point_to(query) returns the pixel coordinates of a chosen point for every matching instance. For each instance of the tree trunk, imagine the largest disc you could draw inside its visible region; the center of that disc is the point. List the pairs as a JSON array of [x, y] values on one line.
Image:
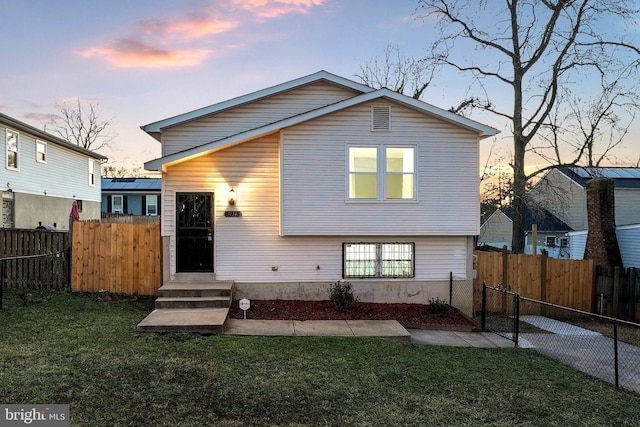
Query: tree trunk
[[519, 203]]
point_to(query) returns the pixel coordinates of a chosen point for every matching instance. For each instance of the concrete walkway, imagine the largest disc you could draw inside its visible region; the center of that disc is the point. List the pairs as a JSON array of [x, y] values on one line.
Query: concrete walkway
[[364, 328]]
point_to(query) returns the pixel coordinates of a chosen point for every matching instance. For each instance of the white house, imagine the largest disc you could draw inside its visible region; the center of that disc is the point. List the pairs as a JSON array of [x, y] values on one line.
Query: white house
[[319, 179], [43, 175]]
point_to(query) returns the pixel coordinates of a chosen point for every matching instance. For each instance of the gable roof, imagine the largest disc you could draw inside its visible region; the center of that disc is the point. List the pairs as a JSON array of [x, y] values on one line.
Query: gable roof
[[545, 220], [254, 96], [370, 95], [23, 127], [622, 177], [131, 184]]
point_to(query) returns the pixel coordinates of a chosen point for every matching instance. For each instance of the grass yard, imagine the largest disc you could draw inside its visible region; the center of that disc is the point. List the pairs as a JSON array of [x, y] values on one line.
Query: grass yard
[[76, 349]]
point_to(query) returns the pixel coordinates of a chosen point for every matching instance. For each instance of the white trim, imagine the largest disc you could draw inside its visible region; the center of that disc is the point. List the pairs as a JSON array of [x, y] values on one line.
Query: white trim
[[482, 130], [6, 146], [147, 204], [113, 198], [38, 144], [381, 173], [92, 173]]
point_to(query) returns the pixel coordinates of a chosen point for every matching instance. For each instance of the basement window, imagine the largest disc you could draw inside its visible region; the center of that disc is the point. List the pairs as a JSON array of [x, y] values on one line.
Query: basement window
[[378, 260]]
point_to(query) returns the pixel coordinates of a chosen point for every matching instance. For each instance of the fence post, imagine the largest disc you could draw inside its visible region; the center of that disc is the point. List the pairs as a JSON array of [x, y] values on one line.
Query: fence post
[[516, 318], [450, 287], [615, 351], [484, 306]]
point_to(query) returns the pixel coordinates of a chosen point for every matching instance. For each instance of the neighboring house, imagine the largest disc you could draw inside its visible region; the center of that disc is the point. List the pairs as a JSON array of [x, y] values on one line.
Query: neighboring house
[[562, 191], [628, 241], [42, 176], [497, 230], [319, 179], [132, 196]]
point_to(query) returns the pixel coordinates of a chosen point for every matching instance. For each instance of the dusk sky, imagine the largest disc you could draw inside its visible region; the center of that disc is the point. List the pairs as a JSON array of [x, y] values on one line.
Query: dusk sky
[[143, 61]]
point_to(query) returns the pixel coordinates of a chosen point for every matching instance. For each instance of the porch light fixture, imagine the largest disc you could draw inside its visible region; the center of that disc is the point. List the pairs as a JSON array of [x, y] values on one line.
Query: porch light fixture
[[232, 197]]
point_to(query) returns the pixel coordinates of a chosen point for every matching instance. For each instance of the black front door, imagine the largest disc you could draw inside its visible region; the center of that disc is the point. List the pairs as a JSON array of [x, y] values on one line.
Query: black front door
[[194, 216]]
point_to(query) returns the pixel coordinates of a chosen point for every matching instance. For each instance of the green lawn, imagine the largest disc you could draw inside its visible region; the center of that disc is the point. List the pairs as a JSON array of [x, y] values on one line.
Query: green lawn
[[76, 349]]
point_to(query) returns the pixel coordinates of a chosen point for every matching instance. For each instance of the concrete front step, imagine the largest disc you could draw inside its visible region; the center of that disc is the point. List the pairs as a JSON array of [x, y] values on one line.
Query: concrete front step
[[200, 320], [193, 302], [175, 289]]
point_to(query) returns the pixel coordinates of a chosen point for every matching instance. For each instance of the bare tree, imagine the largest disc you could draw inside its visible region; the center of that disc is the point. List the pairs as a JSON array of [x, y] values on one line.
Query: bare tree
[[111, 171], [80, 124], [536, 48], [395, 72]]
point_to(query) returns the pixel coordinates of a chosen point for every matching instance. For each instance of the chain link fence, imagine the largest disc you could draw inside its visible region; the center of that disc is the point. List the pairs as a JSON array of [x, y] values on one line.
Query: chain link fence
[[461, 294], [604, 347]]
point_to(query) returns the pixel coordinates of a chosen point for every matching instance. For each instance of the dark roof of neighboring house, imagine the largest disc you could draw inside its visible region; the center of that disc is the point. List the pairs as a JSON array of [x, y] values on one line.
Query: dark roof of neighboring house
[[622, 177], [131, 184], [23, 127], [545, 220]]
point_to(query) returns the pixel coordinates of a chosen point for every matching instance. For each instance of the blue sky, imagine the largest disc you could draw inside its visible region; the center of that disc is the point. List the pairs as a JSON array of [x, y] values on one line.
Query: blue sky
[[143, 61]]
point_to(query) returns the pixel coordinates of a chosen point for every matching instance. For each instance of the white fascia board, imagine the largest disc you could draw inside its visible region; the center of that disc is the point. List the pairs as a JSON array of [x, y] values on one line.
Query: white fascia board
[[244, 99], [483, 130], [161, 163]]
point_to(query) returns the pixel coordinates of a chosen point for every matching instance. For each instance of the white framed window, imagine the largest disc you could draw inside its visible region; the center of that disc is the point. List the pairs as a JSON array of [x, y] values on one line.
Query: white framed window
[[117, 203], [12, 144], [379, 260], [92, 173], [152, 205], [382, 172], [564, 242], [41, 152]]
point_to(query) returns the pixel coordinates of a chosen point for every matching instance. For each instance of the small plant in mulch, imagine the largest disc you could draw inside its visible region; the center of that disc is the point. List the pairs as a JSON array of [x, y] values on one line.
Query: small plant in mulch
[[341, 295], [438, 307]]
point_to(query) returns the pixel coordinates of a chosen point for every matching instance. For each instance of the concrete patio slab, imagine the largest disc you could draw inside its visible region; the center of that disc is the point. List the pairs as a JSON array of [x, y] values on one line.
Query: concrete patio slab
[[379, 328]]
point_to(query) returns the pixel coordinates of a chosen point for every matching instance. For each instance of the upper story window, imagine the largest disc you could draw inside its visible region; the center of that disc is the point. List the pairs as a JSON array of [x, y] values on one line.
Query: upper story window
[[12, 149], [41, 152], [381, 173], [92, 173]]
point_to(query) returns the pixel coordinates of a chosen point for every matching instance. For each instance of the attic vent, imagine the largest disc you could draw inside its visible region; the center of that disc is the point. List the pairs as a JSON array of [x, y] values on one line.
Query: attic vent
[[380, 118]]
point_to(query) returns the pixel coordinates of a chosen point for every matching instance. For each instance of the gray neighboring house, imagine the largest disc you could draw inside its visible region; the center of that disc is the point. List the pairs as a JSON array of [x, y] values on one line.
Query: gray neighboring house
[[562, 192], [42, 175], [131, 196], [497, 229]]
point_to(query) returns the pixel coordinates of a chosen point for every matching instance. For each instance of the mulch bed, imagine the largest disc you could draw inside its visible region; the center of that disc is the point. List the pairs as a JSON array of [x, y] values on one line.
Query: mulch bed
[[414, 316]]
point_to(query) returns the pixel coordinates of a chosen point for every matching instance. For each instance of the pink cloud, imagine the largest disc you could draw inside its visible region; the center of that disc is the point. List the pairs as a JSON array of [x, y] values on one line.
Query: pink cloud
[[193, 26], [275, 8], [147, 46], [128, 53]]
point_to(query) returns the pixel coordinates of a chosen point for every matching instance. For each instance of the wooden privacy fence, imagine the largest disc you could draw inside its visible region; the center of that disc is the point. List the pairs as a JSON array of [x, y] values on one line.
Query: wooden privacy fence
[[34, 259], [564, 282], [118, 258]]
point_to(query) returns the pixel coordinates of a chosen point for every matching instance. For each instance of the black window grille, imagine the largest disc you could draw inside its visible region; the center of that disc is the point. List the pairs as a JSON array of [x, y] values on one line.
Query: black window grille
[[379, 260]]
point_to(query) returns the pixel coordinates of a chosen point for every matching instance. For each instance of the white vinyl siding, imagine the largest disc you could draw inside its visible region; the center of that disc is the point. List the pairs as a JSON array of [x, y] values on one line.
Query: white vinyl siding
[[248, 247], [251, 116], [65, 174], [314, 178], [627, 202]]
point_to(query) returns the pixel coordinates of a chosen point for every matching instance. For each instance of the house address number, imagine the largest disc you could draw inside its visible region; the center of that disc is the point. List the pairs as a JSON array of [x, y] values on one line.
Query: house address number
[[230, 214]]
